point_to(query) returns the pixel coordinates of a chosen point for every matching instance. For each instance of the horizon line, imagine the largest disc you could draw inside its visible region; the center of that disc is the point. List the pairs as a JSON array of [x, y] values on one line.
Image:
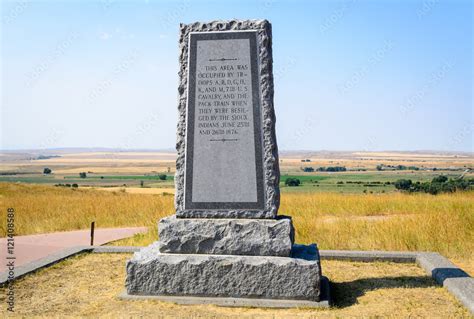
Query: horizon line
[[117, 149]]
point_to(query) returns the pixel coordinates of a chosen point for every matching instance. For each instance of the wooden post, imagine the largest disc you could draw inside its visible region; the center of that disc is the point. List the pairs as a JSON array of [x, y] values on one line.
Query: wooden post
[[92, 233]]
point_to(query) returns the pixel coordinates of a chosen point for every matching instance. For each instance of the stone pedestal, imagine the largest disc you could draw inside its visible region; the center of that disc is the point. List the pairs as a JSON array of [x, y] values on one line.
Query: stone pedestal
[[226, 258], [253, 237], [151, 272]]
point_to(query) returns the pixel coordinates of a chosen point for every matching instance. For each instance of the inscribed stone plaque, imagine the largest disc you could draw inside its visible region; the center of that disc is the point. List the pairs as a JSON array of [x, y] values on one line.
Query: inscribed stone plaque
[[230, 163], [224, 149]]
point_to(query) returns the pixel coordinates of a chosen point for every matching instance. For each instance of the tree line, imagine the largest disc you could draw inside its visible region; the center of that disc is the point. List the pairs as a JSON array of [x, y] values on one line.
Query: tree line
[[439, 184]]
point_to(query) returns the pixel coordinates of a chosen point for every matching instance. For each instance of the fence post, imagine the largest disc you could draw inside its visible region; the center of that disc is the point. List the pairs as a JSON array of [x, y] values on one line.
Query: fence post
[[92, 233]]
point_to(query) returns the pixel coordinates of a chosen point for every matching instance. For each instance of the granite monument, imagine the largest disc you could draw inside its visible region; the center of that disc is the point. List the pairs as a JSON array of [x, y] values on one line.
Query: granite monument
[[226, 239]]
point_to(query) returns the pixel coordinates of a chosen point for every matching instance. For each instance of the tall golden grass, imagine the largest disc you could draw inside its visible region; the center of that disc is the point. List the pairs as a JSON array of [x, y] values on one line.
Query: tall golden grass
[[42, 209], [392, 221], [395, 221]]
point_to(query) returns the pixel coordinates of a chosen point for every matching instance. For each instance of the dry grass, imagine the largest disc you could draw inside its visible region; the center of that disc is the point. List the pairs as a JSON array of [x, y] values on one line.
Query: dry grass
[[88, 285], [117, 169], [294, 164], [422, 222], [447, 216], [43, 209], [135, 190]]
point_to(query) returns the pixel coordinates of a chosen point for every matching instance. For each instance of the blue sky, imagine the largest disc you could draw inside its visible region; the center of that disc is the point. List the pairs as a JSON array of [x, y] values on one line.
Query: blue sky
[[353, 75]]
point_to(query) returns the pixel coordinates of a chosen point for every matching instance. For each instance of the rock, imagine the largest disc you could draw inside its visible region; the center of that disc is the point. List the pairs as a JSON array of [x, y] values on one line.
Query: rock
[[151, 272], [226, 236]]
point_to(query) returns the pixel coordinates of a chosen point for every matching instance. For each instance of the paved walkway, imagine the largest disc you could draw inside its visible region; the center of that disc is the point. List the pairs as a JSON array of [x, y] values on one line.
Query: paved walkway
[[33, 247]]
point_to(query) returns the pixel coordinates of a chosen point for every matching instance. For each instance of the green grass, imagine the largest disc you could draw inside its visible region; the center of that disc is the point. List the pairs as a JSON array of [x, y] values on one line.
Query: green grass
[[354, 182], [304, 178], [317, 182], [30, 179]]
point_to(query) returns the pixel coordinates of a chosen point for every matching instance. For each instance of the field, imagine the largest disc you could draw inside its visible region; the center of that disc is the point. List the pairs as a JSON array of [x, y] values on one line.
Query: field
[[137, 172], [358, 208]]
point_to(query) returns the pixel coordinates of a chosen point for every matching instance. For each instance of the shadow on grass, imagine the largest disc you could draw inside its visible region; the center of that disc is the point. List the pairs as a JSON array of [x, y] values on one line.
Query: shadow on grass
[[345, 294]]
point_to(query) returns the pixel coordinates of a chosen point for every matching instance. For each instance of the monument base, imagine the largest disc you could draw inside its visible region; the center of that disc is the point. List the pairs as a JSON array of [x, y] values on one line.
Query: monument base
[[224, 236], [152, 273], [324, 300]]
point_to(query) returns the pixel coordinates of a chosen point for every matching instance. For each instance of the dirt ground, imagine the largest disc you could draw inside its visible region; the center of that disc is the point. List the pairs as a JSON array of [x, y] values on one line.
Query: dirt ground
[[88, 286]]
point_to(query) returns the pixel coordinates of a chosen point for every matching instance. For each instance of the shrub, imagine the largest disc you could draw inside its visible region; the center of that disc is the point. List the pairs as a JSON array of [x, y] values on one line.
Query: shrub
[[162, 177], [292, 182], [47, 170], [82, 174], [439, 184], [440, 179], [403, 184]]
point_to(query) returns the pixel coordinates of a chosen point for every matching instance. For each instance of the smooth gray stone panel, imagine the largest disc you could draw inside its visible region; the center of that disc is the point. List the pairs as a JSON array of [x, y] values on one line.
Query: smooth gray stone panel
[[254, 237], [224, 152], [151, 272]]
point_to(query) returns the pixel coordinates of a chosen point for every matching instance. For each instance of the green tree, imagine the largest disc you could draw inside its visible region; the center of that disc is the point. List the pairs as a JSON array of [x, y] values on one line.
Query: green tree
[[292, 182], [440, 179], [82, 175], [403, 184], [47, 170]]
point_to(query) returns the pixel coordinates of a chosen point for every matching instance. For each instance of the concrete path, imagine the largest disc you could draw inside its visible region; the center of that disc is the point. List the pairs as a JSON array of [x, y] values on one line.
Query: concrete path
[[33, 247]]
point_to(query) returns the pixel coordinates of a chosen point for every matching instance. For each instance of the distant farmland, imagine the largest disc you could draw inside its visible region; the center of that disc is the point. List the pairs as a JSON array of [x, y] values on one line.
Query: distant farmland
[[365, 172]]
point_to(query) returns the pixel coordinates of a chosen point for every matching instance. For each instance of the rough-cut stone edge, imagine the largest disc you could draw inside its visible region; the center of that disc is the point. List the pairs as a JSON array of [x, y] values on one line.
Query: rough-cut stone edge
[[270, 149], [264, 247], [324, 302], [301, 255]]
